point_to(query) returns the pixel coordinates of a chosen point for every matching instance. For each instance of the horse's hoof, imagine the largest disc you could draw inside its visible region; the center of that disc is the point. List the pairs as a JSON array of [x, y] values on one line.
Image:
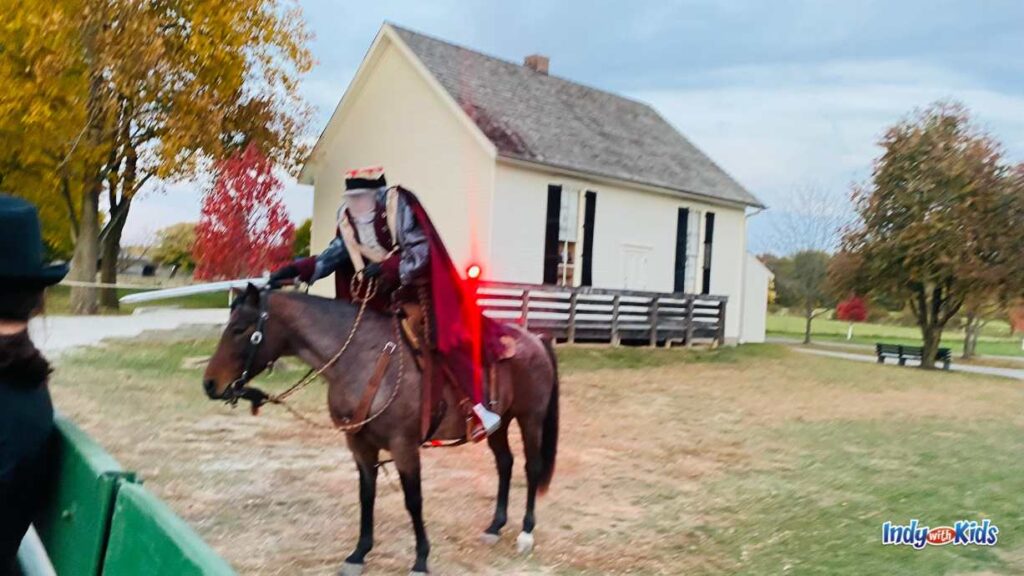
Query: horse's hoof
[[350, 569], [489, 539], [524, 543]]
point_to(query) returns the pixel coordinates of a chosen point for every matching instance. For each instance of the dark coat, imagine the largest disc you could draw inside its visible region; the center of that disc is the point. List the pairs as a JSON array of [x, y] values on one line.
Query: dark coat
[[26, 424], [401, 268]]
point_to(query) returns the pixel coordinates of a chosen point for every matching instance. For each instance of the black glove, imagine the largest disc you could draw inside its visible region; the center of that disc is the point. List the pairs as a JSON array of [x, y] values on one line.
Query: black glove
[[286, 272], [372, 270]]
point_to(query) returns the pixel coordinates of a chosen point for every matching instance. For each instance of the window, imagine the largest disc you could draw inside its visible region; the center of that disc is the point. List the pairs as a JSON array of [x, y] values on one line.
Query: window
[[567, 267], [560, 236], [567, 230]]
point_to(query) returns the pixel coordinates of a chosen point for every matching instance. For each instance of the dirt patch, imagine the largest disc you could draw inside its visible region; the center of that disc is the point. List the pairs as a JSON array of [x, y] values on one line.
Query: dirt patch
[[638, 449]]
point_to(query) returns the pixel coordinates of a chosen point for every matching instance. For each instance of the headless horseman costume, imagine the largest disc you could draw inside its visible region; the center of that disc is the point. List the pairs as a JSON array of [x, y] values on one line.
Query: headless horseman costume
[[385, 233]]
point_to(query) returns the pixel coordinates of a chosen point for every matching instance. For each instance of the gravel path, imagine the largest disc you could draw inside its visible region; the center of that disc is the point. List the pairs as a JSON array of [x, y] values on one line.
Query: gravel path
[[55, 335], [987, 370]]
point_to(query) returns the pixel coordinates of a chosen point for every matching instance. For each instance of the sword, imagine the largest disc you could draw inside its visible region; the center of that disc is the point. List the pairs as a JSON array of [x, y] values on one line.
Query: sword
[[183, 291]]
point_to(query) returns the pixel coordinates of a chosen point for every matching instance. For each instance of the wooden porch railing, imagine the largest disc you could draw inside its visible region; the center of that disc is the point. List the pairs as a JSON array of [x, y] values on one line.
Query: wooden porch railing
[[584, 314]]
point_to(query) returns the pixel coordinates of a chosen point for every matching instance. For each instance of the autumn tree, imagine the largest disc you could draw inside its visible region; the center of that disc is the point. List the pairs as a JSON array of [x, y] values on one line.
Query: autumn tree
[[1007, 288], [174, 246], [41, 114], [244, 229], [802, 282], [853, 309], [936, 224], [143, 92]]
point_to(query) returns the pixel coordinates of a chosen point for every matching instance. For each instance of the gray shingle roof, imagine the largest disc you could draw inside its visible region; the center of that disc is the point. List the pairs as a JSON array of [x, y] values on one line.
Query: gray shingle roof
[[548, 120]]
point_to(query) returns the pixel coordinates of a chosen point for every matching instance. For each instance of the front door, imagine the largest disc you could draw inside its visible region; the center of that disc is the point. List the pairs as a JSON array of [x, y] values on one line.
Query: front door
[[634, 267]]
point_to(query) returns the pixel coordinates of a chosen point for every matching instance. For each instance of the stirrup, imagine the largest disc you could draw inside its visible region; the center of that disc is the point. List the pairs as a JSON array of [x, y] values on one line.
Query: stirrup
[[489, 420]]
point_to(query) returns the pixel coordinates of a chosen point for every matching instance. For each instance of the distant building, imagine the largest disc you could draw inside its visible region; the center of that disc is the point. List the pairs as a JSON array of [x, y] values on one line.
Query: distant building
[[540, 179]]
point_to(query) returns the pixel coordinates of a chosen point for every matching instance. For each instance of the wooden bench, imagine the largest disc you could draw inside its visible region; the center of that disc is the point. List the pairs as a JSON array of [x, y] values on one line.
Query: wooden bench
[[903, 353]]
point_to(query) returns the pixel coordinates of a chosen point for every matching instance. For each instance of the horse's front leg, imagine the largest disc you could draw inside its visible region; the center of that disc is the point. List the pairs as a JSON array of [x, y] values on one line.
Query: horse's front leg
[[407, 461], [366, 460]]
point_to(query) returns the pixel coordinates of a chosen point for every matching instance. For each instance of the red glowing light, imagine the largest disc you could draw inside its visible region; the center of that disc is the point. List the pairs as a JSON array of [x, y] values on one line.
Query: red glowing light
[[473, 272]]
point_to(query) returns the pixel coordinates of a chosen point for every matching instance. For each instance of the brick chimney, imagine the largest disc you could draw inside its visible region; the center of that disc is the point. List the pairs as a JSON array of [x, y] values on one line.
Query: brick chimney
[[537, 63]]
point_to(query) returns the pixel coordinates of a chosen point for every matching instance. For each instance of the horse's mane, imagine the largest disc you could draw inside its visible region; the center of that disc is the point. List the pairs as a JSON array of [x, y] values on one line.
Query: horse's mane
[[330, 313]]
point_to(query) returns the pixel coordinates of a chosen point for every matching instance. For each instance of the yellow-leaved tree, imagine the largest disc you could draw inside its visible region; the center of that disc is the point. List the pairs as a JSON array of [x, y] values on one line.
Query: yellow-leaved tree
[[42, 109], [141, 92]]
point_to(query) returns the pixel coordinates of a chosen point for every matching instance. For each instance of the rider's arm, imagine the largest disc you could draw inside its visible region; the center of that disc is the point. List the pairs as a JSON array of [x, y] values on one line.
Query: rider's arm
[[316, 267], [415, 254]]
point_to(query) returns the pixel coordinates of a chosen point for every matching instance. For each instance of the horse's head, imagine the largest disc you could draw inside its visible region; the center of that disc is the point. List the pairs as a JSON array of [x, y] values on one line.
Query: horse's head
[[250, 343]]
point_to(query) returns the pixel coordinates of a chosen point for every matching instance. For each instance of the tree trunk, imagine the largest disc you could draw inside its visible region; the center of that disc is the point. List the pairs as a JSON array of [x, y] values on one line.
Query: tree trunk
[[808, 316], [971, 328], [83, 263], [110, 250], [933, 306], [932, 337]]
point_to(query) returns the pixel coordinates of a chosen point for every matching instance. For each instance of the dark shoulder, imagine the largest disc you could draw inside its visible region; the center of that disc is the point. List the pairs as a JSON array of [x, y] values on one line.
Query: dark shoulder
[[406, 195], [21, 363]]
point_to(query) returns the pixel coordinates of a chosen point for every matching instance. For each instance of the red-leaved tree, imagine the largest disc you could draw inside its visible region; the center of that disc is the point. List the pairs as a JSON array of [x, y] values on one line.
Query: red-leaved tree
[[244, 228], [853, 309]]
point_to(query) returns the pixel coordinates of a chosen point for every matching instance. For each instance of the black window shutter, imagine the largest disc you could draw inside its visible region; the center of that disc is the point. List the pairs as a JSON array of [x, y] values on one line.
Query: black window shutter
[[709, 235], [551, 252], [587, 258], [682, 221]]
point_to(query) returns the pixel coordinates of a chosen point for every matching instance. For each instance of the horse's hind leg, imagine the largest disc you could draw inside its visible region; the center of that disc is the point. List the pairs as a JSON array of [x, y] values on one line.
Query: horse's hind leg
[[407, 461], [531, 430], [498, 441], [366, 460]]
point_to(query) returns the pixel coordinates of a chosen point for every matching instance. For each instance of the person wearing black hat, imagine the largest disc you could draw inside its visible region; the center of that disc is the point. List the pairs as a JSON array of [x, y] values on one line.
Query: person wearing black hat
[[26, 413]]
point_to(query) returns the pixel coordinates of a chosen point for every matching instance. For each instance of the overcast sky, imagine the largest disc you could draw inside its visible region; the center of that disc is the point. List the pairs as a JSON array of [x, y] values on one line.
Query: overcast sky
[[783, 95]]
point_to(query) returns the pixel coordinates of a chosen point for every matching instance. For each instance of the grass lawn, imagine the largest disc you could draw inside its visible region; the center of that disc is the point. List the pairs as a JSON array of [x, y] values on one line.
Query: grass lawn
[[58, 301], [752, 461], [993, 341]]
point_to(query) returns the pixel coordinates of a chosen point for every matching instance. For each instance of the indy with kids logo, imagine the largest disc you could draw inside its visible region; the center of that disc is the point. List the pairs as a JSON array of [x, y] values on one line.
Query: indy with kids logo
[[962, 533]]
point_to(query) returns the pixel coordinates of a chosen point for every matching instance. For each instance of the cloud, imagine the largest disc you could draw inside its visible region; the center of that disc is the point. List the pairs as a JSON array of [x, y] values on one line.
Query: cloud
[[782, 95], [779, 127], [776, 128]]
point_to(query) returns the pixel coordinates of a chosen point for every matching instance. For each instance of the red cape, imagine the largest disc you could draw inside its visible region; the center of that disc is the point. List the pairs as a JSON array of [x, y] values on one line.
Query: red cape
[[453, 307]]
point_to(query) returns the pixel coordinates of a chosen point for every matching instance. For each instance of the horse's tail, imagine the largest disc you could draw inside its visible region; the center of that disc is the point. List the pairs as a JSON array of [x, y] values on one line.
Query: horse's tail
[[549, 436]]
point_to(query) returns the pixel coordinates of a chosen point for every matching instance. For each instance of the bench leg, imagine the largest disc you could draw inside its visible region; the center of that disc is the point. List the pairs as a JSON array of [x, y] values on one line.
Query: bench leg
[[881, 359], [903, 361], [945, 364]]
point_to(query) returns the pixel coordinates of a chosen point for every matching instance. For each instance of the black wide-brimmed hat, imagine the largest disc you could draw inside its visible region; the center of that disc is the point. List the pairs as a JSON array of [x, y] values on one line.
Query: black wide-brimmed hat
[[21, 247], [364, 180]]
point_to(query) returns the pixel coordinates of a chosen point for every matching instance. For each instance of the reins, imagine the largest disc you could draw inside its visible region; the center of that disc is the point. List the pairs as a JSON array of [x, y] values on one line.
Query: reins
[[370, 294], [362, 416]]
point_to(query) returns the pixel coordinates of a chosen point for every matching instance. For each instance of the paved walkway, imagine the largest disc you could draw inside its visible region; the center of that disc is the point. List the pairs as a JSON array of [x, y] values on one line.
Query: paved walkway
[[987, 370], [57, 334]]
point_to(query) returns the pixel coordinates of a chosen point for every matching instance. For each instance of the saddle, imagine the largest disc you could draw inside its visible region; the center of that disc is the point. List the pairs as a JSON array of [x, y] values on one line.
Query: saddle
[[436, 376]]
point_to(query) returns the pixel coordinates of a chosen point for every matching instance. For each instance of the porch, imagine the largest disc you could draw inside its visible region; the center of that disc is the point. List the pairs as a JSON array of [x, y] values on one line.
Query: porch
[[586, 314]]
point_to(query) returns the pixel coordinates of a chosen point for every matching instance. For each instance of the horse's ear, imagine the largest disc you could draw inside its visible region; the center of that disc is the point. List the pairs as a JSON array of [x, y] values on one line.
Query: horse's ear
[[252, 294]]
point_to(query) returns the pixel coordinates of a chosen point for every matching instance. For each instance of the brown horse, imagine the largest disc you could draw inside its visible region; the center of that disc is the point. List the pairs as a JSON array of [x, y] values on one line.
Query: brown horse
[[314, 329]]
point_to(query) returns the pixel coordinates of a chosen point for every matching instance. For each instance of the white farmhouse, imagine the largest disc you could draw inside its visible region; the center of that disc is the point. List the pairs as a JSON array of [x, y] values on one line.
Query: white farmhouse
[[539, 179]]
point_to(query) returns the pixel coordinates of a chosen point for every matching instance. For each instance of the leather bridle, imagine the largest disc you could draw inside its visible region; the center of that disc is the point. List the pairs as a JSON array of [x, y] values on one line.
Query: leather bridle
[[238, 388]]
